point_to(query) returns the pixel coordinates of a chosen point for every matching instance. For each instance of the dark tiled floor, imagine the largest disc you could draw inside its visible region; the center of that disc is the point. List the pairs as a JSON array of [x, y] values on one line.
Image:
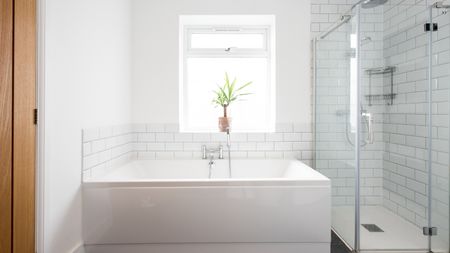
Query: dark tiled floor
[[337, 246]]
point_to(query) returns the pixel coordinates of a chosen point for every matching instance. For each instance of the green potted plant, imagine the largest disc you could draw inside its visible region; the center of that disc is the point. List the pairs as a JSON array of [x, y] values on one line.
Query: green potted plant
[[224, 96]]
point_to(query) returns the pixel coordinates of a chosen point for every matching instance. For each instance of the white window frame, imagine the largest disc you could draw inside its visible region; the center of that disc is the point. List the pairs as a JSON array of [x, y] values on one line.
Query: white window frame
[[259, 24], [221, 52]]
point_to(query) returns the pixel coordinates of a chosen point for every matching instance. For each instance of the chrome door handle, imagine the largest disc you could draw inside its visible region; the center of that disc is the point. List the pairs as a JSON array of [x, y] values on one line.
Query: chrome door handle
[[369, 119]]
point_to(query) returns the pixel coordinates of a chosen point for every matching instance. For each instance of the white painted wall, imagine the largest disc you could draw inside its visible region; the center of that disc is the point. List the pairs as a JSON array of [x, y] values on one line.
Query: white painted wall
[[87, 83], [155, 54]]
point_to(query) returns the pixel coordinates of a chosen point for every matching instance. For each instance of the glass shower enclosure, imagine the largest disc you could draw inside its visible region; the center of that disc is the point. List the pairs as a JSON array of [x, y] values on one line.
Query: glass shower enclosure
[[381, 130]]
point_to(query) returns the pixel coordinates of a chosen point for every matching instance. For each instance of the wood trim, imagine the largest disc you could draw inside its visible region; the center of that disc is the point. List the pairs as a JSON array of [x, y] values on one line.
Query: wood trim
[[24, 134], [6, 67]]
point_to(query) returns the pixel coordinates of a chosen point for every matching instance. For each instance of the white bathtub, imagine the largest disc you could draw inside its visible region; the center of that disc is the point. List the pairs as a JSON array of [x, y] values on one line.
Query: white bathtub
[[275, 206]]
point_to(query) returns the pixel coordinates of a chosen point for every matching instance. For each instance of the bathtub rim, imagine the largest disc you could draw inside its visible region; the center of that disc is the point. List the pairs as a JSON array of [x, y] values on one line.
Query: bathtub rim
[[209, 183], [317, 179]]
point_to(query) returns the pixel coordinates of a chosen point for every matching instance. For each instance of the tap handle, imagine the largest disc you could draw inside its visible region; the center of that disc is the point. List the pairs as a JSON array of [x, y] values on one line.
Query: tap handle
[[220, 152], [204, 156]]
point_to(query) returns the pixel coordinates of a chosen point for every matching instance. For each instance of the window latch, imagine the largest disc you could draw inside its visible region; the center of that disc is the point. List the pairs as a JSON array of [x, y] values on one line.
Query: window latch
[[228, 49]]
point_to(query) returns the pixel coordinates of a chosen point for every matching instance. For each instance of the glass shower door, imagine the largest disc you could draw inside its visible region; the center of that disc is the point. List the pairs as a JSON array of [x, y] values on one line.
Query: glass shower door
[[393, 160], [380, 77], [335, 119], [440, 83]]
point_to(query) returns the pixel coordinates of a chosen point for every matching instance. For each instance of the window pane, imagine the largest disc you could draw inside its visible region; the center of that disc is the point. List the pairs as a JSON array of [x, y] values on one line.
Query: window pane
[[205, 74], [227, 40]]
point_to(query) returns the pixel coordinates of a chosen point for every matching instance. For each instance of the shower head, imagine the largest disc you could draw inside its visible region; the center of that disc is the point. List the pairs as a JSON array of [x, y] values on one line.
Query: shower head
[[367, 4]]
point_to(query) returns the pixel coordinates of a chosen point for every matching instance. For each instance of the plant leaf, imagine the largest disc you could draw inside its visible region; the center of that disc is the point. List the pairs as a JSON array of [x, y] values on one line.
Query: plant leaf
[[231, 90], [228, 93], [243, 86]]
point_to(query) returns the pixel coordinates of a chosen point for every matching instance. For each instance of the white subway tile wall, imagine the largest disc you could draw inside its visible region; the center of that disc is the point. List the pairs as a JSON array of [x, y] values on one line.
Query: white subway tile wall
[[106, 148], [405, 128], [393, 169]]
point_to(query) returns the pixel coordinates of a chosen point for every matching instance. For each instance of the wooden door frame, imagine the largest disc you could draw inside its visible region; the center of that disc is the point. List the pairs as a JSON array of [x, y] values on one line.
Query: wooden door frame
[[19, 53], [24, 128]]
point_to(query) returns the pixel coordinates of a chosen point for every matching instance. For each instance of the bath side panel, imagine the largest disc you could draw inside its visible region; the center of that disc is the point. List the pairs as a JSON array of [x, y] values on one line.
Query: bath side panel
[[222, 214]]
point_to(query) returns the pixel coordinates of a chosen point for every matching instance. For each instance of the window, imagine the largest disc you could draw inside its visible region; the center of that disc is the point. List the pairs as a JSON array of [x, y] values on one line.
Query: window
[[242, 47]]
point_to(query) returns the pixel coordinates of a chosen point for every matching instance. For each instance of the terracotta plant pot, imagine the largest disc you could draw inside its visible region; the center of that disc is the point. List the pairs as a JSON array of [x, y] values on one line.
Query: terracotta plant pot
[[224, 123]]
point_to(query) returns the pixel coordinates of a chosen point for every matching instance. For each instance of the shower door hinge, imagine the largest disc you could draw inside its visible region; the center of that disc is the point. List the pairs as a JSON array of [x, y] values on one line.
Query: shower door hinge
[[430, 231], [427, 27], [35, 116]]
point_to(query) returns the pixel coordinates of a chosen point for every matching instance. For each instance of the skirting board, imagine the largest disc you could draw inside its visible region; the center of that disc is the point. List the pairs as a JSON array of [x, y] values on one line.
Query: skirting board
[[216, 248]]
